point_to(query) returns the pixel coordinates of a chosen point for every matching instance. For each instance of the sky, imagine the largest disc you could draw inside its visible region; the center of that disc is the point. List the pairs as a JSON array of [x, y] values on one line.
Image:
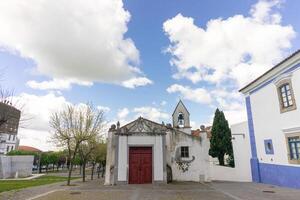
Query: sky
[[135, 58]]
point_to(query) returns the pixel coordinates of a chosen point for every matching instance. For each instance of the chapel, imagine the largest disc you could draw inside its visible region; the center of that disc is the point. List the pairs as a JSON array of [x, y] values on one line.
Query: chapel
[[147, 152]]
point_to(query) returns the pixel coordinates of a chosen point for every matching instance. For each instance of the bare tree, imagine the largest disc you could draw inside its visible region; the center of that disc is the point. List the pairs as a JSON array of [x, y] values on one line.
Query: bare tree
[[73, 126]]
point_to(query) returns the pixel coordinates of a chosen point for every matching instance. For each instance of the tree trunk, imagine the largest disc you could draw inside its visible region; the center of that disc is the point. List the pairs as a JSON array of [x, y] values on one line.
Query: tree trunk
[[70, 173], [83, 172], [103, 169], [40, 168], [92, 175], [98, 170], [71, 164], [221, 159]]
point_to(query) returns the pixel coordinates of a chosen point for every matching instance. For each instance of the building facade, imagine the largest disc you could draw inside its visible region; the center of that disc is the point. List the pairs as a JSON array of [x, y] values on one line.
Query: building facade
[[9, 124], [272, 102], [144, 151]]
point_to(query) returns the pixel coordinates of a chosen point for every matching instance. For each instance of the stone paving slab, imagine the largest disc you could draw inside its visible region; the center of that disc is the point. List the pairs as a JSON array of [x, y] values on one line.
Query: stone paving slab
[[27, 193], [256, 191], [92, 190], [136, 195]]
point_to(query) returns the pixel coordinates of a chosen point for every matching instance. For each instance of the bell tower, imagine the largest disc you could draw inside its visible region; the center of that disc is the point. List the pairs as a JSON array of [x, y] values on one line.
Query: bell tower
[[181, 118]]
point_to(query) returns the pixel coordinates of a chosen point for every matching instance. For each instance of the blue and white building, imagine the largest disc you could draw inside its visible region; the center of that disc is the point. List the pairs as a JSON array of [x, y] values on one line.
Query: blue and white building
[[273, 109]]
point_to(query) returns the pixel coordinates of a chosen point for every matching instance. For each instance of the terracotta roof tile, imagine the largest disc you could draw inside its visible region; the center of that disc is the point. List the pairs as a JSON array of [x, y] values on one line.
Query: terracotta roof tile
[[28, 148]]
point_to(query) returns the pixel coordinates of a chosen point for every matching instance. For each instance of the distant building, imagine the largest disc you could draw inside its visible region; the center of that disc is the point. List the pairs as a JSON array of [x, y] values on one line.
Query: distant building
[[144, 151], [29, 149], [273, 109], [9, 124]]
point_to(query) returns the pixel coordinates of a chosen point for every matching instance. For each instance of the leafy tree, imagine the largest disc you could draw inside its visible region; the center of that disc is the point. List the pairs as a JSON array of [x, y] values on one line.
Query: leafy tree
[[62, 158], [220, 142], [98, 156], [73, 126], [53, 159], [85, 150], [45, 160]]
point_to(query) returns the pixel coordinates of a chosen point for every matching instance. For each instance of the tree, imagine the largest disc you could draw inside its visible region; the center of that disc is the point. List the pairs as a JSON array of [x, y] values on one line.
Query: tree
[[45, 160], [74, 125], [85, 150], [61, 159], [98, 156], [53, 159], [220, 142]]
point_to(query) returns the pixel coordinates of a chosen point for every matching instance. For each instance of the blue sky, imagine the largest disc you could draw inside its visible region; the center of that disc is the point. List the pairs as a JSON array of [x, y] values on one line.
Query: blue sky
[[177, 53]]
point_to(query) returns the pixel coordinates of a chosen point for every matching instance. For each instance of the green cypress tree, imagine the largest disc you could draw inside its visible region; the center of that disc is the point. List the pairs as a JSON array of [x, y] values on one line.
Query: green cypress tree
[[220, 142]]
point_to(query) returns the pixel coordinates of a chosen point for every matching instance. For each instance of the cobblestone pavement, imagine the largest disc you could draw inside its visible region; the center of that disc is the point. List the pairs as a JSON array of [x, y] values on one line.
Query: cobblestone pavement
[[95, 190]]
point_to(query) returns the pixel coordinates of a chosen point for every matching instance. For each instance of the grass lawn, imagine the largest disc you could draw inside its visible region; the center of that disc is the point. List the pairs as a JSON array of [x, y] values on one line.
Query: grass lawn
[[6, 185]]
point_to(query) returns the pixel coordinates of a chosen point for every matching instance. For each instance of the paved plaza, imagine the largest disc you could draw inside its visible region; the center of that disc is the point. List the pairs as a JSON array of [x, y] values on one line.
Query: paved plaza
[[95, 190]]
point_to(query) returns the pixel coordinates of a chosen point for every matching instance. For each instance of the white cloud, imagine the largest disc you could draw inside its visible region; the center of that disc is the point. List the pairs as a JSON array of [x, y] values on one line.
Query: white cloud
[[36, 138], [36, 113], [198, 95], [163, 103], [136, 82], [227, 54], [151, 113], [103, 108], [123, 113], [262, 11], [155, 114], [83, 40], [38, 109], [56, 84], [238, 48]]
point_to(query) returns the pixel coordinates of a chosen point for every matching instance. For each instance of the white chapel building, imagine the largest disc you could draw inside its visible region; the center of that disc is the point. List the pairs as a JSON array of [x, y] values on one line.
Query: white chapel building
[[144, 151]]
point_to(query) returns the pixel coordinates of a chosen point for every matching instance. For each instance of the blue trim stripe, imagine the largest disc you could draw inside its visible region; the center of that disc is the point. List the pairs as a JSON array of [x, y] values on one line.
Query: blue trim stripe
[[251, 127], [255, 171], [271, 80]]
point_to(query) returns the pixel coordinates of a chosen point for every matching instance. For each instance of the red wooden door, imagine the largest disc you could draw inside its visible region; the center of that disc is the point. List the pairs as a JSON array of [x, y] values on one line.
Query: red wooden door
[[140, 165]]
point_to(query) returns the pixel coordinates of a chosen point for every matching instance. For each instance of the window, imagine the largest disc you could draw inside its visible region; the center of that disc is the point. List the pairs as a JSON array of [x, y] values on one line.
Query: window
[[184, 152], [12, 148], [269, 146], [294, 147], [9, 136], [286, 96], [14, 137], [7, 149], [180, 120]]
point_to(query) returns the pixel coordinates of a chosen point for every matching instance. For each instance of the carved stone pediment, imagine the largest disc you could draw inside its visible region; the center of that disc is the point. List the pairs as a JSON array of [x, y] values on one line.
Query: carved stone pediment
[[142, 126]]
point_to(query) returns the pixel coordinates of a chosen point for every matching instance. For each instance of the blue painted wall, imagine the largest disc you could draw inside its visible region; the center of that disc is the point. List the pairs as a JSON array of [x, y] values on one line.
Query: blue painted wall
[[287, 176]]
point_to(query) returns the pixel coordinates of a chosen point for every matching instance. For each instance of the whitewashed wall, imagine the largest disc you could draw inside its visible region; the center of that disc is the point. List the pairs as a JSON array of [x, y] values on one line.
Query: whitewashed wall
[[199, 168], [154, 141], [270, 124], [242, 155], [15, 166]]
